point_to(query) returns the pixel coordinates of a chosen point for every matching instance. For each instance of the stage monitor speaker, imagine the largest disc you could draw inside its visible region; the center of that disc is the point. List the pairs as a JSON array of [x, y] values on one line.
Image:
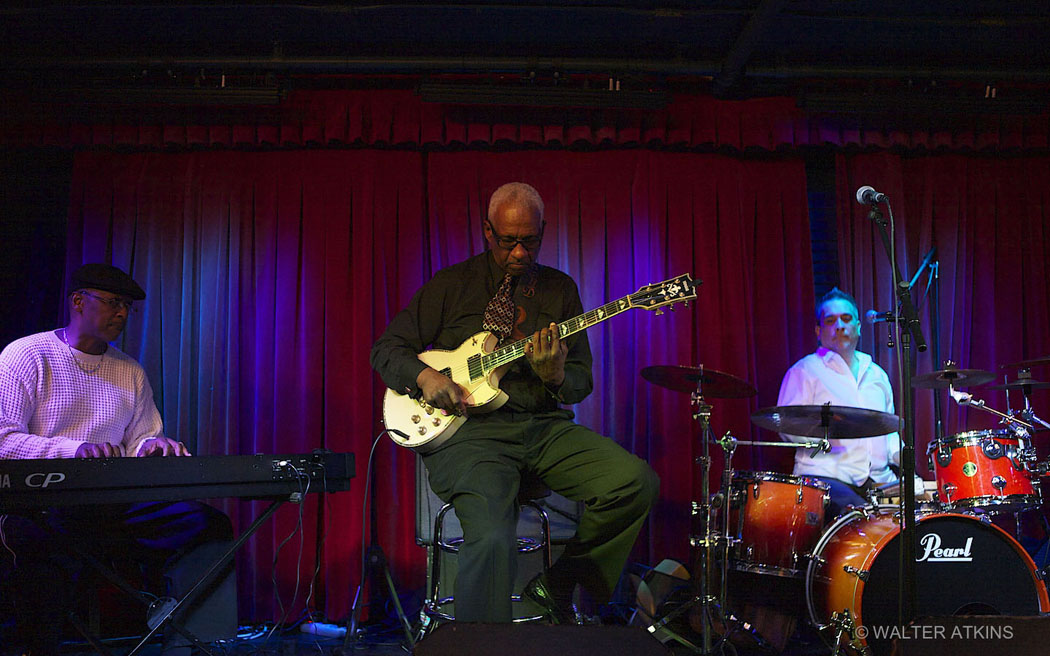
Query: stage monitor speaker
[[461, 639], [973, 635]]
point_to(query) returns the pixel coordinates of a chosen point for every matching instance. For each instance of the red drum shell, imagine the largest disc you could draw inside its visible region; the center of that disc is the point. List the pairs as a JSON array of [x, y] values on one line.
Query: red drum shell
[[967, 475]]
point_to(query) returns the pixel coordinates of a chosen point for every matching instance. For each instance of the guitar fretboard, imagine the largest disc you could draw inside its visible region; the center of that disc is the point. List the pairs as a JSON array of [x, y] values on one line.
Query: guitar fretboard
[[515, 350]]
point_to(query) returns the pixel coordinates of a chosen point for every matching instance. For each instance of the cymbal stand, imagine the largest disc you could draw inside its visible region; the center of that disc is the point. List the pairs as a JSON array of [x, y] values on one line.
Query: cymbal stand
[[1028, 413], [705, 541]]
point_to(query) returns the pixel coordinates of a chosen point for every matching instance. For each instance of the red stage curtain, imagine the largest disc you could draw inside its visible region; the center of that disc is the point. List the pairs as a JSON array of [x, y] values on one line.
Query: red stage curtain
[[990, 222], [399, 117], [269, 275]]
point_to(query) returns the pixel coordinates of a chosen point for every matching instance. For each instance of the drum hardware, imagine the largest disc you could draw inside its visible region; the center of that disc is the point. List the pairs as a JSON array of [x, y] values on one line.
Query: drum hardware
[[1026, 384], [843, 625], [1011, 421], [695, 381], [949, 490]]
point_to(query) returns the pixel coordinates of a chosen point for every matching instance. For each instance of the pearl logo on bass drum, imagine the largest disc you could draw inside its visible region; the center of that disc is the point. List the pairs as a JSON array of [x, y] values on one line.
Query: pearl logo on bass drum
[[933, 553]]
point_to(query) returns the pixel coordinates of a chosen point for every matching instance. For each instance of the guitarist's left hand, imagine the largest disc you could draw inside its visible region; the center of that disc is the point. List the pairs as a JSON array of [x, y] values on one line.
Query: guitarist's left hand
[[546, 354]]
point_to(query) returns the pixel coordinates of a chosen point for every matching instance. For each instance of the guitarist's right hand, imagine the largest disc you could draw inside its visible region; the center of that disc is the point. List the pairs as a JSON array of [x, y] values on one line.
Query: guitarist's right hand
[[441, 391]]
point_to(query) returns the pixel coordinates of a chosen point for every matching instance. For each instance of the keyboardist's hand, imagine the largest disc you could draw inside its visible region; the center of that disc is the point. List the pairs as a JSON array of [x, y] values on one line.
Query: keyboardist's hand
[[162, 446], [106, 450]]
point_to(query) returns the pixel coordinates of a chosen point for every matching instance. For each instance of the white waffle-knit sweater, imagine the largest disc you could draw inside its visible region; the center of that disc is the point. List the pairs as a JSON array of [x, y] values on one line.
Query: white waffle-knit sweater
[[50, 405]]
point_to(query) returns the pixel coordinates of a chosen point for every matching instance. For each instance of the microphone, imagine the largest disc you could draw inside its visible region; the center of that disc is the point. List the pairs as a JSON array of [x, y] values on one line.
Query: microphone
[[868, 196], [874, 316]]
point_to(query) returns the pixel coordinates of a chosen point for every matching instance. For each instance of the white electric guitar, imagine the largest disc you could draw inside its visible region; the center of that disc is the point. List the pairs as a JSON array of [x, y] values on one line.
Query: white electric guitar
[[477, 366]]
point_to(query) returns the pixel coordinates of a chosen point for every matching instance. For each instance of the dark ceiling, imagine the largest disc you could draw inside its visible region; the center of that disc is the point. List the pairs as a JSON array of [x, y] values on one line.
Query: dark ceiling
[[734, 48]]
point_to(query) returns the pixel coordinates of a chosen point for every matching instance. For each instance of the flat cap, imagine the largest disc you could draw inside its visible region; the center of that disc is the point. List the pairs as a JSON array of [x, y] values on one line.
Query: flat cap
[[106, 278]]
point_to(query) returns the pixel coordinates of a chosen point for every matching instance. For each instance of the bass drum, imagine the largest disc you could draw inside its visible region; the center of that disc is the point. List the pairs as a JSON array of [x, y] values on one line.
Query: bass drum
[[964, 566]]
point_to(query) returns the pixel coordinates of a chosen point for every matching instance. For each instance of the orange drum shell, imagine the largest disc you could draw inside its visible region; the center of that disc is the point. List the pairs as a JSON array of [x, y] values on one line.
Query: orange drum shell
[[776, 529], [855, 543]]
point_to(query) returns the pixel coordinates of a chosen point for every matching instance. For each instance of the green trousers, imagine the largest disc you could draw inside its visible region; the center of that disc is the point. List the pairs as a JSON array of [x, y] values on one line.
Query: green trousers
[[479, 472]]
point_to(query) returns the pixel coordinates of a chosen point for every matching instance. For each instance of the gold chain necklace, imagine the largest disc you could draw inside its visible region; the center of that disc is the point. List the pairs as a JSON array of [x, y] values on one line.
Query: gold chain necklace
[[76, 360]]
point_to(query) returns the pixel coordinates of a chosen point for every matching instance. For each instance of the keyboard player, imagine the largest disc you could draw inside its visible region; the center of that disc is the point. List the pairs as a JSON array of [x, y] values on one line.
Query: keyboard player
[[69, 393]]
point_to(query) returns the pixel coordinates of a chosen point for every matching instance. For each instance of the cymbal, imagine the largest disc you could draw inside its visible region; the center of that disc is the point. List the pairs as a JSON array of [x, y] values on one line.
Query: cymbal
[[1020, 384], [841, 422], [1027, 364], [944, 378], [714, 384]]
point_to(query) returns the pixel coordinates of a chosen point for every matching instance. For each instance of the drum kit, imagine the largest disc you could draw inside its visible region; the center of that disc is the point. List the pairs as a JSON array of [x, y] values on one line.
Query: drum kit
[[766, 529]]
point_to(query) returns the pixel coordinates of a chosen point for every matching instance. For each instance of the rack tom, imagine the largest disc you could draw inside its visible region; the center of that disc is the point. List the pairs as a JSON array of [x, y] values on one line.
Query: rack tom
[[983, 469], [775, 520]]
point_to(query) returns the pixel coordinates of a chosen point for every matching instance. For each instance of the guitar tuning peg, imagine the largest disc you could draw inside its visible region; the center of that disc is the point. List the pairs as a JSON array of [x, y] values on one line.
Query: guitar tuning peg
[[659, 311], [671, 307]]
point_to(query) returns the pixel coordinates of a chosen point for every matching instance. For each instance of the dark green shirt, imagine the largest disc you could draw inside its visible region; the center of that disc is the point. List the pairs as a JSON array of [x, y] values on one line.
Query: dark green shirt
[[450, 308]]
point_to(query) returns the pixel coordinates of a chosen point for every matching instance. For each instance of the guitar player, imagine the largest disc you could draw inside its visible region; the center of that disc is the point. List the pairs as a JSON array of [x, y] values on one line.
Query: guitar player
[[504, 290]]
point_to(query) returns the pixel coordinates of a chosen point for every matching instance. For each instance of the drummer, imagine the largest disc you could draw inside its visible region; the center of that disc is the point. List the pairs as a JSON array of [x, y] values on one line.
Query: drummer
[[840, 374]]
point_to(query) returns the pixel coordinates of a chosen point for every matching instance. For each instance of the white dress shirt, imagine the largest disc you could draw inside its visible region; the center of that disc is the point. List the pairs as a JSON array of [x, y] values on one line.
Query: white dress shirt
[[824, 377]]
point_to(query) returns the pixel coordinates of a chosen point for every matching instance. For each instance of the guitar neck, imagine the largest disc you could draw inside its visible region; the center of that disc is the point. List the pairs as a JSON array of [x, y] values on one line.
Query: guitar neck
[[515, 350]]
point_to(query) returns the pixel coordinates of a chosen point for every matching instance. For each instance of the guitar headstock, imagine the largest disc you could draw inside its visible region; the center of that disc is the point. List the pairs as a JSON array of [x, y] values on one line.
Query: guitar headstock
[[658, 295]]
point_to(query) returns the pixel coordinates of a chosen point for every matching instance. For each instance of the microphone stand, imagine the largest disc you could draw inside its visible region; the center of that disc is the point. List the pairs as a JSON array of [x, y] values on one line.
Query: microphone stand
[[933, 288], [907, 317]]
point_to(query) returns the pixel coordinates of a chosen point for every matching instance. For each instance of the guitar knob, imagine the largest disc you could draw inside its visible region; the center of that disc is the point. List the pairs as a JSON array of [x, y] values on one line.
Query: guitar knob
[[415, 419], [430, 409], [422, 430], [437, 421]]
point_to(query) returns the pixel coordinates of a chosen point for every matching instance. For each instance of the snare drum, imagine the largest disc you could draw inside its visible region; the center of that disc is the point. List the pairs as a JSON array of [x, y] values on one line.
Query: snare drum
[[964, 566], [981, 469], [775, 520]]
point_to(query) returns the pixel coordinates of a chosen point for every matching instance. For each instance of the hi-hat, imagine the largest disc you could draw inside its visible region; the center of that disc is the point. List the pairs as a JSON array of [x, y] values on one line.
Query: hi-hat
[[1027, 364], [714, 384], [834, 421], [944, 378]]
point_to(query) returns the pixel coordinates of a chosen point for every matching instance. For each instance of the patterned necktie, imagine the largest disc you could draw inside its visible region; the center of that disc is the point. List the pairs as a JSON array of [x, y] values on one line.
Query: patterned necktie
[[499, 313]]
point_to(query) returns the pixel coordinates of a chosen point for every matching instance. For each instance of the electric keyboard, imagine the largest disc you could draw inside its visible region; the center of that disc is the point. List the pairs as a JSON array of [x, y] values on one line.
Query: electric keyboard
[[29, 484]]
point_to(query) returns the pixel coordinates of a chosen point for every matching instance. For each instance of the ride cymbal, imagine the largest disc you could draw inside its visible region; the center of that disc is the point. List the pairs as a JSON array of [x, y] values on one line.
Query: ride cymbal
[[944, 378], [835, 421], [713, 384]]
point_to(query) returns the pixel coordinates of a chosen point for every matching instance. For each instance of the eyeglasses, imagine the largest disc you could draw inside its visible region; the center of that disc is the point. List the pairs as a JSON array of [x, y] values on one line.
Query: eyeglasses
[[510, 243], [116, 304]]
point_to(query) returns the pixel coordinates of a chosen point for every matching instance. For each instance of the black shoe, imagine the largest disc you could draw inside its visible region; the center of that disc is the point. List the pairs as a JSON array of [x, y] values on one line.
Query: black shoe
[[558, 611]]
